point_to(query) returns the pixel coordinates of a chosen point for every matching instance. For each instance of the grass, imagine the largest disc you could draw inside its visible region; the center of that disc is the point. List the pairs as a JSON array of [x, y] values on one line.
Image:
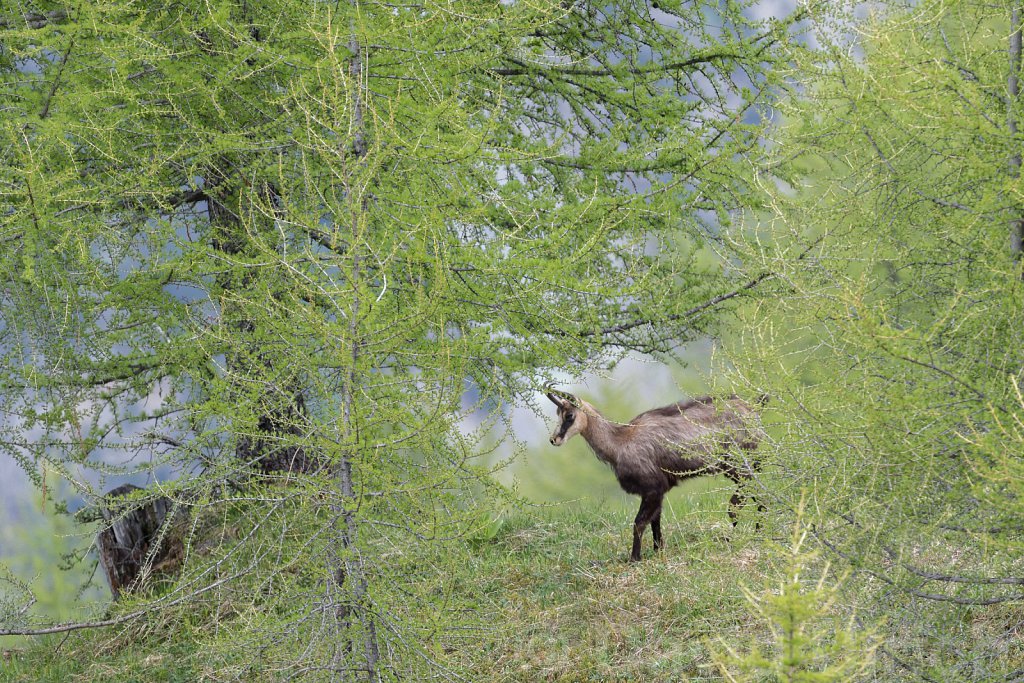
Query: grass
[[548, 593], [99, 656], [542, 594], [570, 608]]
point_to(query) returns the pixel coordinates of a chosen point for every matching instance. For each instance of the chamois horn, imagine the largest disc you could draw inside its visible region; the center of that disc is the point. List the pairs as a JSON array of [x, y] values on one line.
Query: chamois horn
[[560, 397]]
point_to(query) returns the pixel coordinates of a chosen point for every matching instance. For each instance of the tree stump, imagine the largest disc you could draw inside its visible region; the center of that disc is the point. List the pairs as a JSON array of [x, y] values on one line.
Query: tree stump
[[133, 528]]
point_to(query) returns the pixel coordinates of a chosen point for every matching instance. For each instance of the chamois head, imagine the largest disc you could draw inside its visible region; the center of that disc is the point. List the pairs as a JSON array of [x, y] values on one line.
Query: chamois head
[[572, 419]]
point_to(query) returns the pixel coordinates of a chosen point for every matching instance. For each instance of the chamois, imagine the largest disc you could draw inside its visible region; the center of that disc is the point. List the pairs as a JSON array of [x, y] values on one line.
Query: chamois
[[659, 448]]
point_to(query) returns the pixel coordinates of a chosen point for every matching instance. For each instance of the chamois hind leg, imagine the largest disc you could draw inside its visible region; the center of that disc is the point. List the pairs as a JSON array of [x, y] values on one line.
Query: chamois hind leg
[[761, 509], [750, 471], [739, 497], [649, 506], [739, 501], [736, 503]]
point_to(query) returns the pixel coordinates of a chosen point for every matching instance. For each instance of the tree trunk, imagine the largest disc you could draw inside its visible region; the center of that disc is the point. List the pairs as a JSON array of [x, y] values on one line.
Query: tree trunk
[[1013, 88], [126, 546], [351, 603], [284, 411]]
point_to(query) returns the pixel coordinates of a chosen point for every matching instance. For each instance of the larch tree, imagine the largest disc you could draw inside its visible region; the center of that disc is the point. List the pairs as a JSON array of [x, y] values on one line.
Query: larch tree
[[893, 342], [247, 244]]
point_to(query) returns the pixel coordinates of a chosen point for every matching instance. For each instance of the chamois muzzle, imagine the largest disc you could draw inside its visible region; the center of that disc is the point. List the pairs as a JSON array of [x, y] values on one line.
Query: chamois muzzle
[[567, 407]]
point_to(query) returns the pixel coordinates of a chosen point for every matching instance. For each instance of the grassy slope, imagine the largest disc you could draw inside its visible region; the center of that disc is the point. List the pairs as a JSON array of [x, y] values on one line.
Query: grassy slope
[[546, 594], [568, 607], [554, 596]]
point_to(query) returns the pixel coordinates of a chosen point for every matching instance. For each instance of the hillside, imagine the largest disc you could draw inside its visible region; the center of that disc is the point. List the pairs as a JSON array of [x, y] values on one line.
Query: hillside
[[541, 594], [545, 594]]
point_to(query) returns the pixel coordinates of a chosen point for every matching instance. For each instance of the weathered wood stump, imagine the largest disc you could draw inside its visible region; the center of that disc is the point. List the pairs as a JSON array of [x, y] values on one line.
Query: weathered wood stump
[[134, 526]]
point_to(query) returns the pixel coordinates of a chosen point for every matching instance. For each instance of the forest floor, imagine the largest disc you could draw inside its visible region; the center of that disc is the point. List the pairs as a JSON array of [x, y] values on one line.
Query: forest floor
[[567, 605], [546, 594], [552, 597]]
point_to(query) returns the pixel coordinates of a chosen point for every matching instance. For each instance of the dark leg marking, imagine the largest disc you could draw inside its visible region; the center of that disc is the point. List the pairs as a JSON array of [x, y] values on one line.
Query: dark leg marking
[[737, 501], [656, 528], [649, 507], [761, 509]]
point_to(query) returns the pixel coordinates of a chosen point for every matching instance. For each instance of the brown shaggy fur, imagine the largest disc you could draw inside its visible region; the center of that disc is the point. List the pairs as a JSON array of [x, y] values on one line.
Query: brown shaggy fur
[[661, 447]]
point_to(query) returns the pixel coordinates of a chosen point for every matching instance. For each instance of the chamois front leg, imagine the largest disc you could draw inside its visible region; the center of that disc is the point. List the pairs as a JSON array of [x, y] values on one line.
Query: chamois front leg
[[656, 527], [650, 506]]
